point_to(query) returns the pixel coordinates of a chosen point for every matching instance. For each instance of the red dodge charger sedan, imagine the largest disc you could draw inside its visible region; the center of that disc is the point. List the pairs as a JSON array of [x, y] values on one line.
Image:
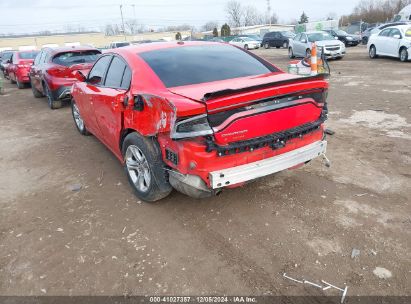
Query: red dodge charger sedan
[[19, 67], [199, 116]]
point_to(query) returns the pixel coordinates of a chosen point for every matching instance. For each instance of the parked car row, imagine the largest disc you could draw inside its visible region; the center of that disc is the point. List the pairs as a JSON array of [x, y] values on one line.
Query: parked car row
[[190, 116]]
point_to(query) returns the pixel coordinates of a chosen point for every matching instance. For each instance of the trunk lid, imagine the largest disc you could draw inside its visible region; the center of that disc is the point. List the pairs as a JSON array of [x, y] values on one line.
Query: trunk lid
[[252, 107]]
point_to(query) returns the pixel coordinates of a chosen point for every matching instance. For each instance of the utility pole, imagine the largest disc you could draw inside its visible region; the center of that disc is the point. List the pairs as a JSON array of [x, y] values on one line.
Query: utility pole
[[269, 11], [134, 10], [122, 21]]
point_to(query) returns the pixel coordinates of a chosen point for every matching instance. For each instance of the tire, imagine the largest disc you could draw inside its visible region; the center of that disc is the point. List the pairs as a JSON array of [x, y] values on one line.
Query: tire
[[266, 45], [364, 40], [372, 52], [78, 120], [11, 80], [285, 44], [404, 54], [291, 53], [144, 167], [307, 53], [53, 104], [19, 84], [277, 47], [36, 93], [246, 47]]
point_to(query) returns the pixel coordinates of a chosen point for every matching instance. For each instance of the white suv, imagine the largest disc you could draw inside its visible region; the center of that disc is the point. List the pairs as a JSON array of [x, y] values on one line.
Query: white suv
[[393, 41]]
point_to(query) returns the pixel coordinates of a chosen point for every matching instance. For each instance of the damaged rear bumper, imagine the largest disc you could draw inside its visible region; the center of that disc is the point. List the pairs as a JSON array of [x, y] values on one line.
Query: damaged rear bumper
[[244, 173]]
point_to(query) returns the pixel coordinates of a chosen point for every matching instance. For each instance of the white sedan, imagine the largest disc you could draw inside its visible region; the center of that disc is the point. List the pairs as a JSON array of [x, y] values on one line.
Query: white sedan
[[245, 42], [393, 41]]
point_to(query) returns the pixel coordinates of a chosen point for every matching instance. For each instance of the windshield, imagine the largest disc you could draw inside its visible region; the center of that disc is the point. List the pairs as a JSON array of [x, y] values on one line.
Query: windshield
[[71, 58], [200, 64], [319, 37], [28, 55], [341, 32]]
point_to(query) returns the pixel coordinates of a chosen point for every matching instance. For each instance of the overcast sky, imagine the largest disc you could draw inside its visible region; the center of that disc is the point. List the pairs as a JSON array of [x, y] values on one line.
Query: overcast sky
[[22, 16]]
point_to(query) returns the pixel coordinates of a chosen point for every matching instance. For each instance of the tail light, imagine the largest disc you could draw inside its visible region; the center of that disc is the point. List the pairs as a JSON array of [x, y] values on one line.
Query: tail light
[[60, 72], [192, 127], [318, 96]]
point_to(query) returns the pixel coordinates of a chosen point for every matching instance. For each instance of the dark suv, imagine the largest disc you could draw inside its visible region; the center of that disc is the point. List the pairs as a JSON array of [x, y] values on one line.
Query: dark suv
[[277, 39]]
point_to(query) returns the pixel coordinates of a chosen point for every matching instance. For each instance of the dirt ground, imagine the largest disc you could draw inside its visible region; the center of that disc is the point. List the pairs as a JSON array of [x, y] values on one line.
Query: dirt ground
[[101, 240]]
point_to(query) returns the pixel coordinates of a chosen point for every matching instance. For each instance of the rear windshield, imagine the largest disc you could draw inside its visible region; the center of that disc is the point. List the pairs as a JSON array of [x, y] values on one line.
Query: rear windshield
[[122, 44], [71, 58], [199, 64], [28, 55]]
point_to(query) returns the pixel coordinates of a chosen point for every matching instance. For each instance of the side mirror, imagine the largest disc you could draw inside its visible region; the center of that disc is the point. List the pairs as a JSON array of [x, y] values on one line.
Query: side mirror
[[79, 76], [397, 36], [94, 80]]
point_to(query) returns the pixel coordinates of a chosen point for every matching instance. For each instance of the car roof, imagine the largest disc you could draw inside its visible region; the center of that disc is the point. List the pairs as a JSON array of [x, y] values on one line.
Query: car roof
[[146, 47], [58, 50]]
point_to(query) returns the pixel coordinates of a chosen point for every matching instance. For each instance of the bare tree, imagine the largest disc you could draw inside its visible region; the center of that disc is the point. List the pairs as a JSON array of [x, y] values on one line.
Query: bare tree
[[250, 16], [373, 11], [134, 27], [234, 13], [209, 26]]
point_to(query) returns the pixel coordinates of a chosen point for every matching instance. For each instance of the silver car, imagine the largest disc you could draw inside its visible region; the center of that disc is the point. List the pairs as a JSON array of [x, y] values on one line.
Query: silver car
[[300, 45]]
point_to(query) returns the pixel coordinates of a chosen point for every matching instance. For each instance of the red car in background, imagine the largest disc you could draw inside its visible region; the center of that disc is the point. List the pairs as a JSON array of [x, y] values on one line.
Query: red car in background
[[199, 116], [52, 72], [19, 67]]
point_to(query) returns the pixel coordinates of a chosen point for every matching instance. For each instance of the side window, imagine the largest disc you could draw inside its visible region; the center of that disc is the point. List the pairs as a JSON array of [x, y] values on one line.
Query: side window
[[297, 38], [11, 58], [115, 73], [15, 58], [96, 74], [395, 32], [385, 33], [277, 35], [125, 83], [303, 38]]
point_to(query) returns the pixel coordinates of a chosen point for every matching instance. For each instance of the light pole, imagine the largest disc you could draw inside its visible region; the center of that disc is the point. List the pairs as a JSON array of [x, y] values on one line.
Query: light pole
[[122, 21]]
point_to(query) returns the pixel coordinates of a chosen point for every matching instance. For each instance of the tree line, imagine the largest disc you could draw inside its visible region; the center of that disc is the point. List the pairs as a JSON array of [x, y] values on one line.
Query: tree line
[[375, 11]]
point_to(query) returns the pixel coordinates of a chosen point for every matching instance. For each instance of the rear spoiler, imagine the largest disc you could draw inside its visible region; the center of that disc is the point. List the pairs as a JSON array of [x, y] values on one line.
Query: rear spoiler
[[225, 92]]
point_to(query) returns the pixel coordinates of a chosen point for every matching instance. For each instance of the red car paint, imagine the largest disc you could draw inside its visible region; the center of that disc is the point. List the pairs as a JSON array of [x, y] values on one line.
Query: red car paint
[[107, 117], [19, 67], [47, 73]]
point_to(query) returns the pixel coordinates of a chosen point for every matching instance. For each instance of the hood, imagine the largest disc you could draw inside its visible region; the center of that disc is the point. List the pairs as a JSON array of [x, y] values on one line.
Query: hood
[[197, 91], [329, 42]]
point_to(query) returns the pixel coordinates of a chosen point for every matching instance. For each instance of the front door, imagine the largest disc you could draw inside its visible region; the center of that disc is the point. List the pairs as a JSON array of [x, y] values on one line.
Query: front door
[[109, 103], [393, 42]]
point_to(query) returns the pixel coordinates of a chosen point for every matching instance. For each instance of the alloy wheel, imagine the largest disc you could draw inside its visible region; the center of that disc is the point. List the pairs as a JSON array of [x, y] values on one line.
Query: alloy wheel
[[138, 168], [403, 55], [77, 117]]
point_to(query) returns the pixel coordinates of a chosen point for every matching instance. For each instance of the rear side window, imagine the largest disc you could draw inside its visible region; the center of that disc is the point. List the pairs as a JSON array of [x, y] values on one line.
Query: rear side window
[[71, 58], [385, 33], [115, 73], [28, 55], [125, 83], [188, 65], [408, 32]]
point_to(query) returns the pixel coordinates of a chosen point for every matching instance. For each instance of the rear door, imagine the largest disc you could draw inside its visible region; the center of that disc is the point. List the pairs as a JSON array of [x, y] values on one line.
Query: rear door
[[381, 42], [393, 42], [109, 103]]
